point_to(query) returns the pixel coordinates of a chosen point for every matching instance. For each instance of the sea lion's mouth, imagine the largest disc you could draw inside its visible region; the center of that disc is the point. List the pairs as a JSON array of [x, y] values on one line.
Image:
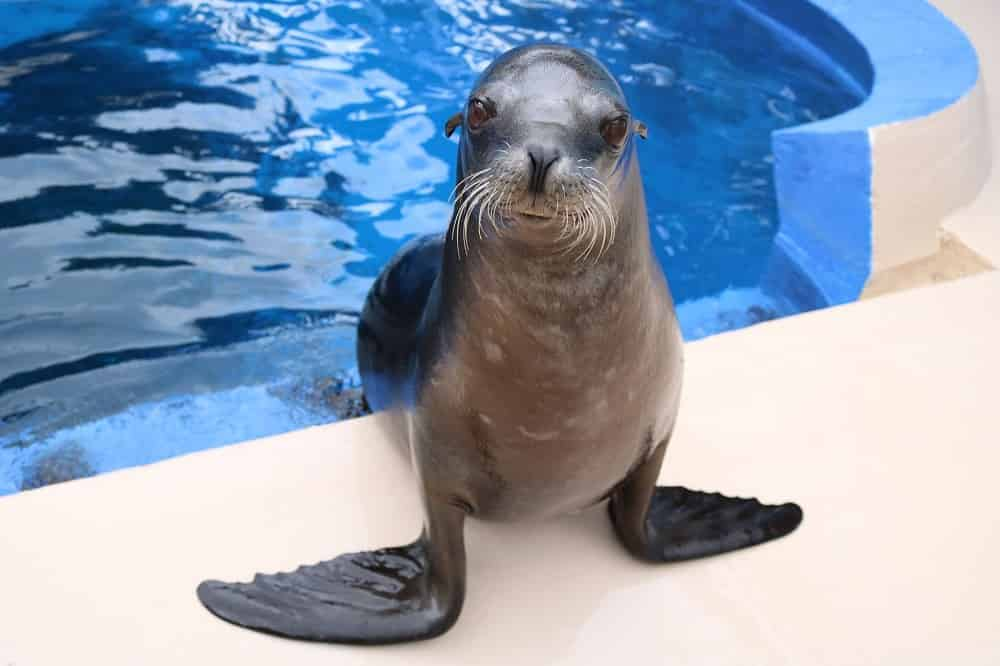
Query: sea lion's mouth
[[575, 211], [539, 212], [534, 216]]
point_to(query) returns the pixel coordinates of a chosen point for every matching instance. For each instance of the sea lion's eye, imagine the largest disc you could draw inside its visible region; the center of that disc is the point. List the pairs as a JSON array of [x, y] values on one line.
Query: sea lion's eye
[[614, 131], [480, 113]]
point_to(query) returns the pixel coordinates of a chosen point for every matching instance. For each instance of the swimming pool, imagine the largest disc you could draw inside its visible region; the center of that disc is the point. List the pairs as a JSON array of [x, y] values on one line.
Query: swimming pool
[[195, 196]]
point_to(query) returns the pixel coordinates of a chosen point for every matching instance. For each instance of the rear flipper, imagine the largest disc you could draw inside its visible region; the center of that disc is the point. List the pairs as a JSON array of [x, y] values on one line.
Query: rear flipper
[[388, 595], [671, 524]]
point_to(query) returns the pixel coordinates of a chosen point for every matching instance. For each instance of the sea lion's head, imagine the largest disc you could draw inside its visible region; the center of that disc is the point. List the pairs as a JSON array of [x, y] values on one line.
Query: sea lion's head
[[546, 137]]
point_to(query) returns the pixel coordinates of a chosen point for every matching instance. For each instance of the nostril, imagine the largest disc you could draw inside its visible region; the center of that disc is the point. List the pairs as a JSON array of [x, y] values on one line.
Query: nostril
[[542, 160], [548, 165]]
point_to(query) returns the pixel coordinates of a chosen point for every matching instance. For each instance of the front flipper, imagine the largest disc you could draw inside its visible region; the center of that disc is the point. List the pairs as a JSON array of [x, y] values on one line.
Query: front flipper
[[671, 524], [390, 595]]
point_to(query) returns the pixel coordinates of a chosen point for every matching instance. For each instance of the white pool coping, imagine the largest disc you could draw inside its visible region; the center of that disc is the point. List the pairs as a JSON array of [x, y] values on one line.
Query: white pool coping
[[978, 224], [879, 417]]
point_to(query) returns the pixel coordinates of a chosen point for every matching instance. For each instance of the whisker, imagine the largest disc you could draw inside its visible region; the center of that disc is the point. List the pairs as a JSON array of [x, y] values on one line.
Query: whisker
[[484, 207], [461, 216], [466, 180], [584, 216]]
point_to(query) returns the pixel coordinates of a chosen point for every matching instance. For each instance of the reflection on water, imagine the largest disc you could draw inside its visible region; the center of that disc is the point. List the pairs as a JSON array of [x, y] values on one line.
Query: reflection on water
[[195, 195]]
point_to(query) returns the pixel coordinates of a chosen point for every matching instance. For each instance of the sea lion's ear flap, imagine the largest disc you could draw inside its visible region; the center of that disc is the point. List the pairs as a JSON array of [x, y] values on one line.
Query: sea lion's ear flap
[[453, 122], [640, 128]]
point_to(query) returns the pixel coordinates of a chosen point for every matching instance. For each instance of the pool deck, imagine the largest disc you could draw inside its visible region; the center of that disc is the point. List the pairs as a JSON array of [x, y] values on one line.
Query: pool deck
[[879, 417]]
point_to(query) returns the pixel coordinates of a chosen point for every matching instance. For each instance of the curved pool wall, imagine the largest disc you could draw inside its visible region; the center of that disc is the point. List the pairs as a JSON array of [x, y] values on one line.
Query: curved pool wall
[[865, 191]]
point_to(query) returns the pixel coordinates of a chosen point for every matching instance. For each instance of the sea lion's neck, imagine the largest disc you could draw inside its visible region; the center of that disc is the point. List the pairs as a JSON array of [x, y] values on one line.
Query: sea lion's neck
[[510, 276]]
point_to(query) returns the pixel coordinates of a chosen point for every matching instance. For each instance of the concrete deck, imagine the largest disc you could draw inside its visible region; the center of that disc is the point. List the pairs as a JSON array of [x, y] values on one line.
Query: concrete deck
[[879, 417]]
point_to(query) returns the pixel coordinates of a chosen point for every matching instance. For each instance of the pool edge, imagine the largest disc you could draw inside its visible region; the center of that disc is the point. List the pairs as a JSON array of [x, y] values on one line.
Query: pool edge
[[846, 185]]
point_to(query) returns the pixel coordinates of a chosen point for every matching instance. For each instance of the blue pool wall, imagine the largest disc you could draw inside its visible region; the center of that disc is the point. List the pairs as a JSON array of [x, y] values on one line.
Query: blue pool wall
[[913, 62]]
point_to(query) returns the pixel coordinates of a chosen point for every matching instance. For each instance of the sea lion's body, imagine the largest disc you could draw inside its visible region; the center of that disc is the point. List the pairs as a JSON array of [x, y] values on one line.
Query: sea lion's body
[[531, 361], [542, 385]]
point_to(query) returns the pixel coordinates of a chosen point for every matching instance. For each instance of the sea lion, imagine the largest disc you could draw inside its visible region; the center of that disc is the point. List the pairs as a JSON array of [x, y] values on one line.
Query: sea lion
[[531, 358]]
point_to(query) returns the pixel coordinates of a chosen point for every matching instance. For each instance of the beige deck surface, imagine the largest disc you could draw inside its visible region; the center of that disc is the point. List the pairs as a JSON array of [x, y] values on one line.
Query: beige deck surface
[[881, 418]]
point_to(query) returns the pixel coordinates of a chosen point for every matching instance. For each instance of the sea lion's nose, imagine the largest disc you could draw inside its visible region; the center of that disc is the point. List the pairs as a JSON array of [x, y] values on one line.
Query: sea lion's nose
[[542, 158]]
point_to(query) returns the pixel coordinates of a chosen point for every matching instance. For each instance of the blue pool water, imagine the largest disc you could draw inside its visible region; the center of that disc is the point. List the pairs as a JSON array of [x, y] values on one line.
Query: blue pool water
[[195, 196]]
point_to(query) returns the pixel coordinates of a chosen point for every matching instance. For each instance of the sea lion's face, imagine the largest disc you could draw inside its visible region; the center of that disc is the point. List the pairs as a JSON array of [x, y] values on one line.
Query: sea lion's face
[[546, 133]]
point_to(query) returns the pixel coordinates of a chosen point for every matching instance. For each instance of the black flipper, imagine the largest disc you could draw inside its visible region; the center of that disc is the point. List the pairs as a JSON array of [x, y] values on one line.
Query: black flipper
[[684, 524], [672, 524], [390, 595], [375, 597]]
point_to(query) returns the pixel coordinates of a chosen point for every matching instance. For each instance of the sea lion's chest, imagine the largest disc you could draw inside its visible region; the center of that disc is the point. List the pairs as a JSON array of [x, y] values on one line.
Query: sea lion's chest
[[545, 415]]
